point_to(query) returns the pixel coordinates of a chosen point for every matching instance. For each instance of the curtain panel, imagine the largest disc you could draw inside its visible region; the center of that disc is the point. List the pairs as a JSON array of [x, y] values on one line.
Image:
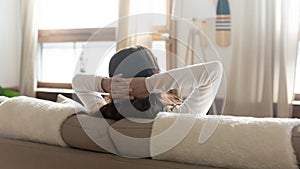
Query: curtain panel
[[133, 25], [261, 73], [29, 48]]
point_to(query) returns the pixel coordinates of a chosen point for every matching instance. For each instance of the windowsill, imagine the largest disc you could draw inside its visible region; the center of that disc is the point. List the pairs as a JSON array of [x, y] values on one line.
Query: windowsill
[[296, 103], [55, 90], [296, 108], [51, 93], [297, 97]]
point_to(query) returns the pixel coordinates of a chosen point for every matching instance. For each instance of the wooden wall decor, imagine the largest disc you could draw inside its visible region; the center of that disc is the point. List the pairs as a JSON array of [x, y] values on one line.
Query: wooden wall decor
[[223, 24]]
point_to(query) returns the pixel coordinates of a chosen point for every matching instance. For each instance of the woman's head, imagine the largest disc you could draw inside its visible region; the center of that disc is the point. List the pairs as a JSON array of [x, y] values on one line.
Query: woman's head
[[135, 61]]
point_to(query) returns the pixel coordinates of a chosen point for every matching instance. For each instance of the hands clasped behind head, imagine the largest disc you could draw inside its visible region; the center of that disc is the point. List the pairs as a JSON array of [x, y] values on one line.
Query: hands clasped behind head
[[120, 88], [127, 88]]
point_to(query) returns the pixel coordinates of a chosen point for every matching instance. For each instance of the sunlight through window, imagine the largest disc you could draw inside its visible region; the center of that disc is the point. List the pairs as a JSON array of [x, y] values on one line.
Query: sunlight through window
[[68, 14], [58, 59]]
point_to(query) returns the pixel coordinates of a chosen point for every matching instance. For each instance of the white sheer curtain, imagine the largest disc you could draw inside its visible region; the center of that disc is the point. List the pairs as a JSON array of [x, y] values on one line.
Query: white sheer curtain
[[29, 47], [262, 70], [10, 45], [131, 30]]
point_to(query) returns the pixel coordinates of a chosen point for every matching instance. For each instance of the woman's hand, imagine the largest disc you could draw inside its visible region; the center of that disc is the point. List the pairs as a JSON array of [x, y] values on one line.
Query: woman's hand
[[120, 88], [106, 84], [138, 88], [125, 88]]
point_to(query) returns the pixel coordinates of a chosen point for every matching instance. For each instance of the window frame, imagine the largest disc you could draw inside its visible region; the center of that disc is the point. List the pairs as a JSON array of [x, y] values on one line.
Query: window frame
[[83, 34], [75, 35], [297, 96]]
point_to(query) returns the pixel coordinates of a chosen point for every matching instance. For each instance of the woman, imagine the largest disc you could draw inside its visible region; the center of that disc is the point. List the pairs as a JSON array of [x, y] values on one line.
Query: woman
[[134, 74]]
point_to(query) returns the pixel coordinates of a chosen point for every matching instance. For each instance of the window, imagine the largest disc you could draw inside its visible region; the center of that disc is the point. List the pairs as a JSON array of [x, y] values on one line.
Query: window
[[70, 14], [66, 25], [297, 82]]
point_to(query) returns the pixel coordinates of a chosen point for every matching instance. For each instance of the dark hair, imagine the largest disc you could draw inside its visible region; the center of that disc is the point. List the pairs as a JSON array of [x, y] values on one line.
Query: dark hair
[[137, 61]]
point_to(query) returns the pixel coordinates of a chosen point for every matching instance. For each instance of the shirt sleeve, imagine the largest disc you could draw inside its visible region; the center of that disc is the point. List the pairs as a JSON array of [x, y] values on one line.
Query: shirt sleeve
[[203, 78], [88, 89]]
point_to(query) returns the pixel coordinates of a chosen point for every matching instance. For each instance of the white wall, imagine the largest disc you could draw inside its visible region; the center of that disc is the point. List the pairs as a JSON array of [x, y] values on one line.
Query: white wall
[[188, 11], [10, 43]]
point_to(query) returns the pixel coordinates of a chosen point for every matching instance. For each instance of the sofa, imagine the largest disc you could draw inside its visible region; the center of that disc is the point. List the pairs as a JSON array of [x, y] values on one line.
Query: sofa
[[81, 151]]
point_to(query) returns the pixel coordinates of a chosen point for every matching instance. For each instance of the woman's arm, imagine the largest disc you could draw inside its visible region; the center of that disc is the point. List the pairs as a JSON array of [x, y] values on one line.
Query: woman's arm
[[88, 88], [204, 78]]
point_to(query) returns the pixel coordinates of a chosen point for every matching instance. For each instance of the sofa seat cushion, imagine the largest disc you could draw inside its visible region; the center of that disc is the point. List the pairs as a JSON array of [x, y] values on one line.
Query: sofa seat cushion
[[18, 154]]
